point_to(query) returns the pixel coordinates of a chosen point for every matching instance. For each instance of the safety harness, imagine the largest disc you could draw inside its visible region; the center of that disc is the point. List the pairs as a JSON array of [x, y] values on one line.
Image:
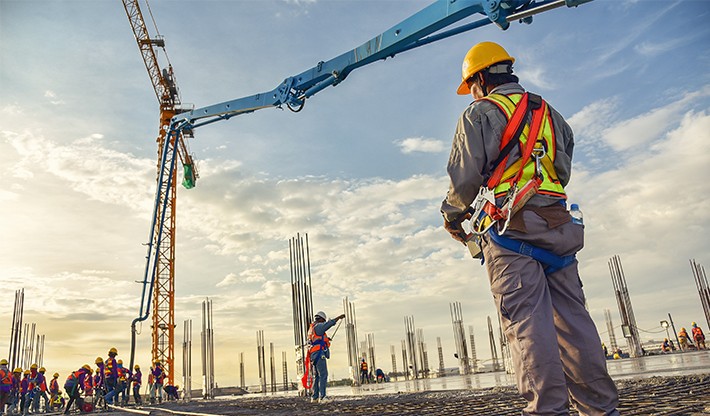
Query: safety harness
[[520, 181]]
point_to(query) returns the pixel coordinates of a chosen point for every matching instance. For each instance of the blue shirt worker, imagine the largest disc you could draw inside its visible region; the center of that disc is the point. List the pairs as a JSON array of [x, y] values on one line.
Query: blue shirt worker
[[510, 160], [320, 351]]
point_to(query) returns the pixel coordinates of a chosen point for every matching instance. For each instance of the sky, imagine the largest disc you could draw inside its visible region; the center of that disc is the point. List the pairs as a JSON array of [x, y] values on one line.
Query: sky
[[361, 170]]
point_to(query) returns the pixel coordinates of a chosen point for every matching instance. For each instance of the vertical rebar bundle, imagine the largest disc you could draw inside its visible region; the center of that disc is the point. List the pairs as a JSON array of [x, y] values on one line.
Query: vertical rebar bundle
[[261, 359], [474, 359], [494, 351], [351, 340], [284, 369], [628, 320], [16, 330], [701, 282], [301, 297], [460, 338], [394, 361], [371, 351], [423, 355], [441, 357], [506, 357], [405, 370], [610, 329], [410, 336], [28, 340], [272, 365], [187, 360], [241, 370], [207, 339]]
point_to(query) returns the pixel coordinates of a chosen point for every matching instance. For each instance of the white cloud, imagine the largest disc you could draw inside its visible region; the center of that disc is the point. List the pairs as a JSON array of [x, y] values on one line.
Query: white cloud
[[53, 98], [421, 144]]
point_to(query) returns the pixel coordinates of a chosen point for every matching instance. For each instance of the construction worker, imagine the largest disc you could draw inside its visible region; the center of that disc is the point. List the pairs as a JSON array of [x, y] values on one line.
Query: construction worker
[[41, 383], [683, 339], [156, 387], [14, 400], [698, 336], [26, 393], [171, 392], [74, 386], [320, 351], [553, 340], [123, 377], [363, 372], [54, 389], [667, 346], [136, 379], [111, 376], [5, 384]]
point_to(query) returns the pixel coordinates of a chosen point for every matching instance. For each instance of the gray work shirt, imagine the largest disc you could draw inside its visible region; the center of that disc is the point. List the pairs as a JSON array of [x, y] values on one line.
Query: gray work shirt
[[476, 146]]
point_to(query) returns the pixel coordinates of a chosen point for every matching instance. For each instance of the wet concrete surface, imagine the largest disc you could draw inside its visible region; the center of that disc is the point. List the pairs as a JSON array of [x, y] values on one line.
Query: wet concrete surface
[[672, 384]]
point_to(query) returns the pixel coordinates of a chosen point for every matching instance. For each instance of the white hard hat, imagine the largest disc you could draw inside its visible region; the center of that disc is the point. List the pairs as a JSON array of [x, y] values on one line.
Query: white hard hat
[[322, 315]]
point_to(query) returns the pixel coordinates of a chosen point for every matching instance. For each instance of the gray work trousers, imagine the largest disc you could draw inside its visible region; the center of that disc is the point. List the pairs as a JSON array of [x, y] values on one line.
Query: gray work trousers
[[555, 348]]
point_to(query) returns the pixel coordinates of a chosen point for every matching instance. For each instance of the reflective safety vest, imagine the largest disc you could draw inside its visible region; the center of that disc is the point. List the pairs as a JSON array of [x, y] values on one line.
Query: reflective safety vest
[[53, 386], [698, 333], [318, 342], [363, 366], [5, 377], [545, 139]]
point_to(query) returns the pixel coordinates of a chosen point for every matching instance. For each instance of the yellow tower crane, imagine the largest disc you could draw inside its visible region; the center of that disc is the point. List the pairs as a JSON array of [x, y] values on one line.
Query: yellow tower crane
[[163, 296]]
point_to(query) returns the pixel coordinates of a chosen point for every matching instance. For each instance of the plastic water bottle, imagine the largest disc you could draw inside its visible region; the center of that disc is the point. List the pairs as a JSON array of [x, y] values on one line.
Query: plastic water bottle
[[576, 213]]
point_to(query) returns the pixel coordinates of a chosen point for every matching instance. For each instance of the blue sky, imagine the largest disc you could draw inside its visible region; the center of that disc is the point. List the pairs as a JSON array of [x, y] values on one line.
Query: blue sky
[[361, 169]]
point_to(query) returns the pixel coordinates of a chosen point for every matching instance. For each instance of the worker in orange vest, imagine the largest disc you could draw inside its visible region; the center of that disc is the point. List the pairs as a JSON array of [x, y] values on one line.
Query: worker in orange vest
[[320, 351], [364, 377], [698, 336], [5, 384], [683, 339]]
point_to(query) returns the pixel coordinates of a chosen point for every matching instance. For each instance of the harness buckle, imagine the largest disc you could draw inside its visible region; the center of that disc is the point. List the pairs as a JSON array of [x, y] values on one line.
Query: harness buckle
[[485, 196]]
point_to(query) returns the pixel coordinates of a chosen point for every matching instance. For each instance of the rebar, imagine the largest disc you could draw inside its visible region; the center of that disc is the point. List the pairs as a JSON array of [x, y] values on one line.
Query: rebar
[[628, 320]]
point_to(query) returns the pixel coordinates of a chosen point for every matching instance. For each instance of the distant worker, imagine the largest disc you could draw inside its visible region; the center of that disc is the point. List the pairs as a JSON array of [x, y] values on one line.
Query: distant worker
[[54, 388], [122, 386], [41, 384], [171, 392], [667, 346], [111, 376], [363, 372], [606, 351], [156, 387], [25, 393], [320, 351], [683, 339], [136, 380], [5, 384], [380, 375], [14, 401], [698, 336], [74, 386], [529, 255]]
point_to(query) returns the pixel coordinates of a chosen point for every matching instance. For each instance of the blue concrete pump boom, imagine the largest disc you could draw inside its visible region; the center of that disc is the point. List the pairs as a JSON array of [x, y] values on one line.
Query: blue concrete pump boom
[[422, 28]]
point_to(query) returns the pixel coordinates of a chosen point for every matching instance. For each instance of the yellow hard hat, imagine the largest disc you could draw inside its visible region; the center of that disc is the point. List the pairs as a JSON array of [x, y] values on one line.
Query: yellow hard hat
[[3, 362], [479, 57], [156, 361], [18, 370], [86, 366], [136, 367], [693, 324], [99, 360], [42, 369], [27, 372], [55, 375], [119, 362], [112, 351], [33, 366]]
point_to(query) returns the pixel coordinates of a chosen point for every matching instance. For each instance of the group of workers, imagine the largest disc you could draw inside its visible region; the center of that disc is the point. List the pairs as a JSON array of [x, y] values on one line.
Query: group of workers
[[685, 341], [111, 383]]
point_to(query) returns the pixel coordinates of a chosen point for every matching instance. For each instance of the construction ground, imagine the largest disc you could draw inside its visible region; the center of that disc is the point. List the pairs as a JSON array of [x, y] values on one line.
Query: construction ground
[[671, 395]]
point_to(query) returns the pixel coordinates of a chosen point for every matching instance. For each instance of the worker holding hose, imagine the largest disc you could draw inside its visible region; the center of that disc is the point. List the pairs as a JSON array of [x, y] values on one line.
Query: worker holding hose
[[319, 351], [509, 163]]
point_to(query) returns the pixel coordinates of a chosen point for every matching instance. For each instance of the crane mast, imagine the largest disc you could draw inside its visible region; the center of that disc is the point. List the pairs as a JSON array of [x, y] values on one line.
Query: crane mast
[[163, 235]]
